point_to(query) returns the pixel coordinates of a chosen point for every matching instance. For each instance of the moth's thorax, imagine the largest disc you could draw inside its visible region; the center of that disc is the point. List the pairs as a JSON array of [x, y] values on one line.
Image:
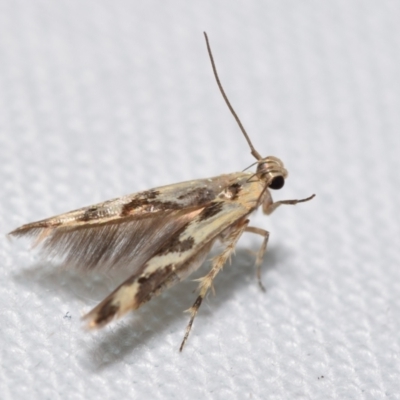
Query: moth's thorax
[[272, 171]]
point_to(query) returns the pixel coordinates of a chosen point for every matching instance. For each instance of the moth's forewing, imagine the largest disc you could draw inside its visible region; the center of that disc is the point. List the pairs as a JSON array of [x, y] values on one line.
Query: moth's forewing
[[124, 231], [178, 196], [182, 252]]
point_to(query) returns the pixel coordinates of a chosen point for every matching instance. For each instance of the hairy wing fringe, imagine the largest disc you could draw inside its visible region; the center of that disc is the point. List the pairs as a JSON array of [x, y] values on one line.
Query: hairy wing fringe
[[108, 245]]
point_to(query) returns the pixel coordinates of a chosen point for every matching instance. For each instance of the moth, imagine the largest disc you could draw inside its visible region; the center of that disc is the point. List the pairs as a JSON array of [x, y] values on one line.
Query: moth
[[164, 234]]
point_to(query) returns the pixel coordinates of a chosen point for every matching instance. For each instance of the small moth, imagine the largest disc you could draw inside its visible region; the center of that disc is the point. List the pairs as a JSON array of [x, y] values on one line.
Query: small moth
[[163, 234]]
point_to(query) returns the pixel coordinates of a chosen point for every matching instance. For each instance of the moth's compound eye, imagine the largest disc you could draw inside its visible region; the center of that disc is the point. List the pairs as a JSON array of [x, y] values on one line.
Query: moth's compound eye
[[277, 182]]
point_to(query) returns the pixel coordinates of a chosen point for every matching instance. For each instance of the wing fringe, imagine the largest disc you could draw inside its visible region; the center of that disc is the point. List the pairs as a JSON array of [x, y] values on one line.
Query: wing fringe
[[108, 245]]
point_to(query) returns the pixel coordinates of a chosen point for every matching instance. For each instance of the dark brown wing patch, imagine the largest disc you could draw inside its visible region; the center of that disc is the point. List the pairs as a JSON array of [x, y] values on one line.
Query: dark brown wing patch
[[148, 285], [174, 244], [234, 190], [213, 209], [107, 312]]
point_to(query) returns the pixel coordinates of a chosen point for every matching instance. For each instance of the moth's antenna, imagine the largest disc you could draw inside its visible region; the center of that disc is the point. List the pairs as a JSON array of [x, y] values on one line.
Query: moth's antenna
[[254, 152]]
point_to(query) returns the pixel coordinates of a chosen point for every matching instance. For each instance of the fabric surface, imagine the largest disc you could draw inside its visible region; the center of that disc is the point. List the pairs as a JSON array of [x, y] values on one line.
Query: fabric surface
[[100, 99]]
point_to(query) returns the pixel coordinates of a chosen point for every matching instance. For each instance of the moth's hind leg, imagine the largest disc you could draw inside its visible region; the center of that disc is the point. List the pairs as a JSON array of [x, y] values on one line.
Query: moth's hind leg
[[235, 231], [261, 252]]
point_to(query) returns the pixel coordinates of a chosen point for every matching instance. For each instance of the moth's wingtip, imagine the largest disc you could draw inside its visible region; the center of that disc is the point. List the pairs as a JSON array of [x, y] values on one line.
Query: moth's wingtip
[[14, 233], [18, 232], [91, 326], [28, 229], [89, 322], [95, 319], [9, 236]]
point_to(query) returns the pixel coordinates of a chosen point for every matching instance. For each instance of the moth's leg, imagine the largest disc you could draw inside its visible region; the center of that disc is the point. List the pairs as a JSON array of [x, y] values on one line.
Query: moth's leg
[[269, 206], [217, 264], [261, 252]]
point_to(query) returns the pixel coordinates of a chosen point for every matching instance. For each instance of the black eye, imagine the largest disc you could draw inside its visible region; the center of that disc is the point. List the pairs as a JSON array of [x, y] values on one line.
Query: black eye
[[277, 182]]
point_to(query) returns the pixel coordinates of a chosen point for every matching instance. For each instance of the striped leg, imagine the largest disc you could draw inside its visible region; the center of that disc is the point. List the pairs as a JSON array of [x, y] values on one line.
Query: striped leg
[[261, 252], [217, 264]]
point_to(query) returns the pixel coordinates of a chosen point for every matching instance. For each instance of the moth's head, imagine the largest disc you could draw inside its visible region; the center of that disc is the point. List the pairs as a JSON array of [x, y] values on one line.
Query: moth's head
[[271, 170]]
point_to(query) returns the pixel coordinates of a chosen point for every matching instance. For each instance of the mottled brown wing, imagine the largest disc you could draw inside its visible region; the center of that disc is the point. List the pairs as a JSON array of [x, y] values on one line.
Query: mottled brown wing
[[127, 230], [181, 253]]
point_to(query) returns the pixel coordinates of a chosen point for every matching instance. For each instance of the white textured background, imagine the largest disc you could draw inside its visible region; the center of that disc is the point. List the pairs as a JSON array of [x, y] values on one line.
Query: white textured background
[[101, 98]]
